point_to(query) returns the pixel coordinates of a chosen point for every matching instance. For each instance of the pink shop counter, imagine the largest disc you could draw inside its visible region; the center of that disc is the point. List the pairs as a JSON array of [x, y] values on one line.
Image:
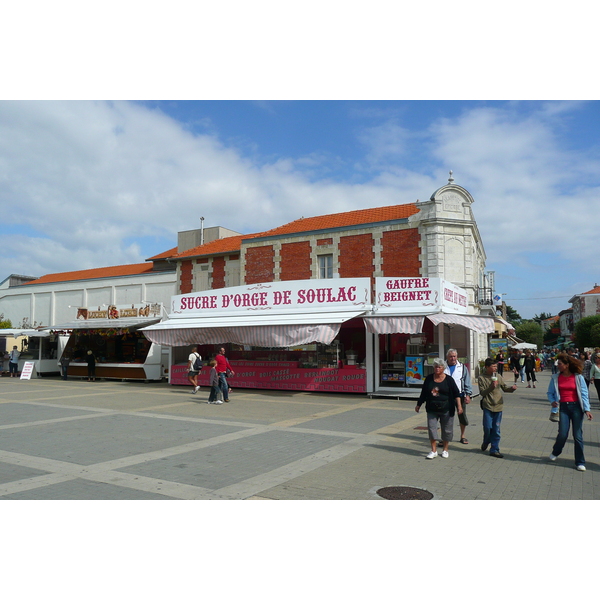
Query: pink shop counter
[[285, 375]]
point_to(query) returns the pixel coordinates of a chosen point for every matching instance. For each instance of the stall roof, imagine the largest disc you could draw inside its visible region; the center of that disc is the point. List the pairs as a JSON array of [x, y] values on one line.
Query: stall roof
[[105, 324], [20, 332]]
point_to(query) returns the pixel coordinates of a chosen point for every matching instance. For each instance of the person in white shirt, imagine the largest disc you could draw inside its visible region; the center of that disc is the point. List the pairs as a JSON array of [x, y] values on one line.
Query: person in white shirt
[[193, 370]]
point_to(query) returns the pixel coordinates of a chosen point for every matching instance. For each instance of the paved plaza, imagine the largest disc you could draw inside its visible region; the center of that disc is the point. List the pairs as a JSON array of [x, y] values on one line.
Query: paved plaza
[[151, 441]]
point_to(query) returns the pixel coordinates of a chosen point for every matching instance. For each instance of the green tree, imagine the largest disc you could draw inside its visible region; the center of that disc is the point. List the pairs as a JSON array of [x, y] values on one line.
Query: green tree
[[512, 315], [531, 332], [583, 331], [595, 336], [5, 323]]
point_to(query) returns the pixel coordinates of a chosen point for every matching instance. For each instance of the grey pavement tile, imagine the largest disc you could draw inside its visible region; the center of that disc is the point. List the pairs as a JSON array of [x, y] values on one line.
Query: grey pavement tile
[[105, 438], [219, 466], [81, 489], [9, 473], [359, 420], [13, 413]]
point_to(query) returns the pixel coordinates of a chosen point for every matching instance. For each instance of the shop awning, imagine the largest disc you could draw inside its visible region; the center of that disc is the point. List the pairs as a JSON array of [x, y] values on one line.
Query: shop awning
[[474, 322], [271, 331], [383, 325], [133, 323], [508, 326]]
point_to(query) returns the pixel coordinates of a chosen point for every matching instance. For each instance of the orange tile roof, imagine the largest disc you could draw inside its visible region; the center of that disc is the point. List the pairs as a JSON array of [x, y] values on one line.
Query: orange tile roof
[[345, 219], [221, 246], [596, 290], [119, 271], [165, 254], [305, 225]]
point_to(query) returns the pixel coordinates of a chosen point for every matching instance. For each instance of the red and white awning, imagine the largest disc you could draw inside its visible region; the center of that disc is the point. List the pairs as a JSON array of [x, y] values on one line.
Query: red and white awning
[[385, 325], [474, 322], [271, 331]]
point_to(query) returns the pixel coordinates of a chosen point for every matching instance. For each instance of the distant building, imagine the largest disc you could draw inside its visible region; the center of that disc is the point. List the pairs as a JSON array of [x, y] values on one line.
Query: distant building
[[586, 304]]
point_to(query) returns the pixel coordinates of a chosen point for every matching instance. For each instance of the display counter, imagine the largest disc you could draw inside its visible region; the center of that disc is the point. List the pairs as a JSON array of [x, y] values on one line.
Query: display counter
[[282, 375]]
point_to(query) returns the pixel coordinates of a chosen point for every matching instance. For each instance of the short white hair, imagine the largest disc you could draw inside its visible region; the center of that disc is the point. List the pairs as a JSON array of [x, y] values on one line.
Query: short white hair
[[439, 362]]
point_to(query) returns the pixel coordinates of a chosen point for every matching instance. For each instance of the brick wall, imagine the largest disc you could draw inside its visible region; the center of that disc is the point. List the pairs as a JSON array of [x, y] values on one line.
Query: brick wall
[[185, 281], [295, 261], [260, 264], [218, 272], [400, 253], [356, 255]]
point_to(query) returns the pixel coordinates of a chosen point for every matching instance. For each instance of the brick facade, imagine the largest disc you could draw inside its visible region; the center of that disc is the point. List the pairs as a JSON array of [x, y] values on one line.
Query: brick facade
[[295, 261], [260, 264], [218, 272], [356, 256], [400, 253], [186, 277]]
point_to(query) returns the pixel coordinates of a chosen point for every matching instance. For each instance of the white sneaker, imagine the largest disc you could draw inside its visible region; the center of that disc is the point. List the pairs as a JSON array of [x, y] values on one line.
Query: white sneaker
[[197, 388], [219, 402], [445, 454], [431, 455], [581, 467], [552, 457]]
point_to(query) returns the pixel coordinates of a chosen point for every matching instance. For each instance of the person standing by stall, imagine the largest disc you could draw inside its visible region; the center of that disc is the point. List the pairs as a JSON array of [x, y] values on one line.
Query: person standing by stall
[[459, 372], [442, 398], [13, 362], [224, 370], [64, 361], [213, 397], [194, 366], [91, 365], [491, 385]]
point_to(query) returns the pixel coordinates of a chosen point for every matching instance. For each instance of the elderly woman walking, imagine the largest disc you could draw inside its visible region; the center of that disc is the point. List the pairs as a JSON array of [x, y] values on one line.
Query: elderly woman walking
[[569, 391], [441, 397]]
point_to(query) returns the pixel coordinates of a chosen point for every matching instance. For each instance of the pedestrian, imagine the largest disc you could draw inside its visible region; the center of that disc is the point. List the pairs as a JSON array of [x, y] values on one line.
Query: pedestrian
[[529, 364], [514, 364], [459, 372], [587, 367], [91, 366], [522, 366], [491, 385], [213, 397], [568, 391], [64, 361], [500, 358], [194, 366], [13, 362], [224, 370], [442, 398], [595, 374]]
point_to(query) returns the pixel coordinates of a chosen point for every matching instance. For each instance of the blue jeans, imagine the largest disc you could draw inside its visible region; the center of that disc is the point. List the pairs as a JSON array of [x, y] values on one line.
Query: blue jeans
[[570, 413], [491, 429], [224, 386]]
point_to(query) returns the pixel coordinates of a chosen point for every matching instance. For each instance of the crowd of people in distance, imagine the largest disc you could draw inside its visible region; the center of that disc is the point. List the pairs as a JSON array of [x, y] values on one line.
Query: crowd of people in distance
[[447, 392]]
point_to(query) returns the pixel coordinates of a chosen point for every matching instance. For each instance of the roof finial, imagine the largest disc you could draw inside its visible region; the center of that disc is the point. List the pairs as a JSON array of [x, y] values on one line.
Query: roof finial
[[450, 179]]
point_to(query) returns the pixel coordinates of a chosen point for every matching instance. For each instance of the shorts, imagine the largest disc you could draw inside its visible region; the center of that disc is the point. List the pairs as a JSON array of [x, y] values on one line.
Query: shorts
[[193, 373], [446, 423], [462, 419]]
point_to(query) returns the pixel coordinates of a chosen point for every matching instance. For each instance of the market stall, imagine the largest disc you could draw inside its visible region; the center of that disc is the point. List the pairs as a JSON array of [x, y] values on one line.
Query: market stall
[[294, 335], [38, 347], [112, 334]]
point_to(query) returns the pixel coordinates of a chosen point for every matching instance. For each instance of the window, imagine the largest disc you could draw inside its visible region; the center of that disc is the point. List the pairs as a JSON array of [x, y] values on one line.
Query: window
[[326, 266]]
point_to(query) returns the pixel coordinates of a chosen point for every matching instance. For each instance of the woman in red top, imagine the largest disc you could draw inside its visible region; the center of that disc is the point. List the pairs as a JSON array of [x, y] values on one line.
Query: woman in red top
[[569, 391]]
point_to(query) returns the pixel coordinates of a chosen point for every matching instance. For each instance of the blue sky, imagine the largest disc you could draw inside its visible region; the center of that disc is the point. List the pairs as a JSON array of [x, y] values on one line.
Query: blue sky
[[270, 115], [96, 183]]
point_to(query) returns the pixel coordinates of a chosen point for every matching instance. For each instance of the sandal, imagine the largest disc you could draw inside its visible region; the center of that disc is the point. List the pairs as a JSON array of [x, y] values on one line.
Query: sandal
[[464, 441]]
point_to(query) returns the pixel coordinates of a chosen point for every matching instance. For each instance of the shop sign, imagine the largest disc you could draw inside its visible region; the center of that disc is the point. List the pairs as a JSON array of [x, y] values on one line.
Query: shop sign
[[120, 312], [27, 370], [306, 295], [418, 295]]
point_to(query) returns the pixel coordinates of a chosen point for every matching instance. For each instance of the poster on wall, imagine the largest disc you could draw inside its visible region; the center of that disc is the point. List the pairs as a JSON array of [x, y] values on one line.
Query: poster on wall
[[497, 344], [414, 370]]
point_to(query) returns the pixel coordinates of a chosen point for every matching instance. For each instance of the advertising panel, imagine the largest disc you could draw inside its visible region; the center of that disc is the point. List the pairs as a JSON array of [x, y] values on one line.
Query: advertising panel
[[276, 297]]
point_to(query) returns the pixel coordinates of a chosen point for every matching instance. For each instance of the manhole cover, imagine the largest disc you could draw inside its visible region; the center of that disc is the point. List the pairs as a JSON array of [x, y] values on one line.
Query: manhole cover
[[404, 493]]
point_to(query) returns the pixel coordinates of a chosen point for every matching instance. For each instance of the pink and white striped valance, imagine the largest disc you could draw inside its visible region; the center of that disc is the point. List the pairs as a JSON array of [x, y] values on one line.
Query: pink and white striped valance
[[384, 325], [474, 322]]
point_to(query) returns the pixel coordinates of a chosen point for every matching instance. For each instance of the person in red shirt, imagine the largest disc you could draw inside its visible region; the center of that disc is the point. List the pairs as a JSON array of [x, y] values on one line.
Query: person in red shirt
[[223, 371]]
